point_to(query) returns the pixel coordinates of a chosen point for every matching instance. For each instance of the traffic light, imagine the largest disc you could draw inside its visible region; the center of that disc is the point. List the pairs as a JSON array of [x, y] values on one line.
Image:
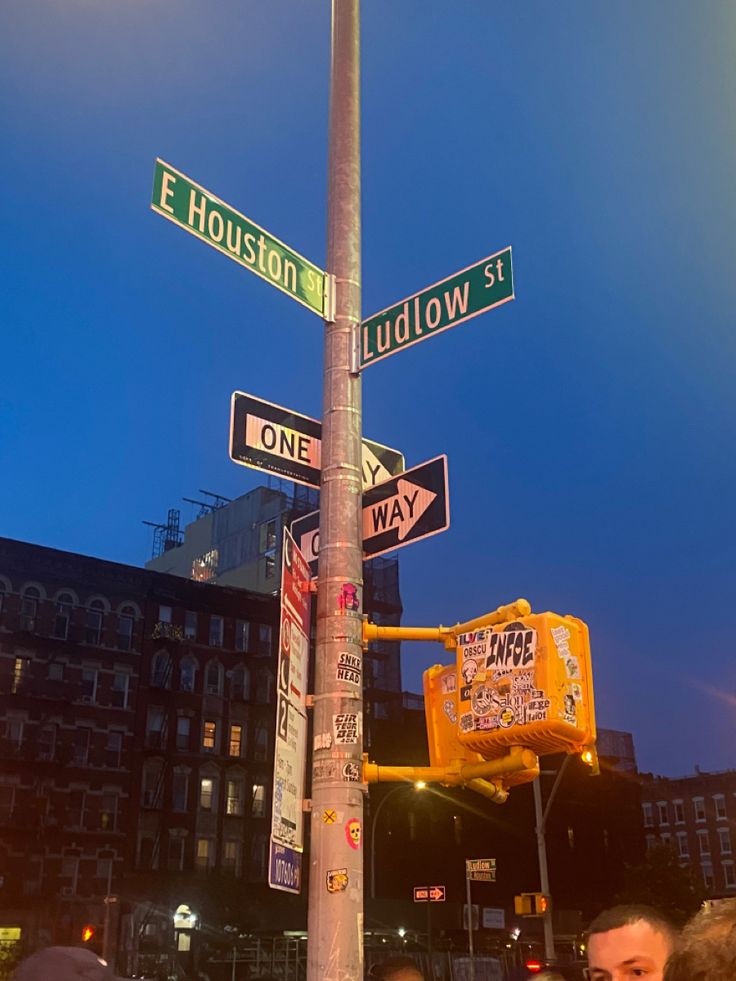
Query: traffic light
[[93, 936], [88, 933], [531, 904]]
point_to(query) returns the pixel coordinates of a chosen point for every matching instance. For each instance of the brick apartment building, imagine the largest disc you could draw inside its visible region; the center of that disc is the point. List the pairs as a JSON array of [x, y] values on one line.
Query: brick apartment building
[[696, 816]]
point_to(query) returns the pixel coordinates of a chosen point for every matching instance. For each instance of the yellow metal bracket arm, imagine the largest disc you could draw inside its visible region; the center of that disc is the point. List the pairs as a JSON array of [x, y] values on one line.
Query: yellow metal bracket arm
[[447, 635]]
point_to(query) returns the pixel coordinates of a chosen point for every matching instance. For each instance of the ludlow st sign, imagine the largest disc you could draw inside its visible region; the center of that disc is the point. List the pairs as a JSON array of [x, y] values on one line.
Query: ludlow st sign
[[465, 294], [278, 440], [200, 213]]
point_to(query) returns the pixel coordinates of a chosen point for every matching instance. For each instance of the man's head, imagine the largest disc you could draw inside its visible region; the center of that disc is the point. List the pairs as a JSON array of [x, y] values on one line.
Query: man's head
[[397, 969], [63, 964], [629, 942], [706, 950]]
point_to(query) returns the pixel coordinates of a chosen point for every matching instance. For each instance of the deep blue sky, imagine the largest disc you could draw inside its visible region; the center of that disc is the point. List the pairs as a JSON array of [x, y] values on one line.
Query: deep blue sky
[[589, 424]]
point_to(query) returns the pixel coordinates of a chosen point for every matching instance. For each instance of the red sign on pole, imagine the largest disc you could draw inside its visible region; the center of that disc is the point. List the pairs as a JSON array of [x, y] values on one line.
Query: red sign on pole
[[429, 894]]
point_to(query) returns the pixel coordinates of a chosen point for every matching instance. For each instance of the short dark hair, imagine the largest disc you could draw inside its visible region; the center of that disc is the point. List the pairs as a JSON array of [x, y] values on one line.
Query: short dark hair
[[392, 966], [706, 950], [621, 916]]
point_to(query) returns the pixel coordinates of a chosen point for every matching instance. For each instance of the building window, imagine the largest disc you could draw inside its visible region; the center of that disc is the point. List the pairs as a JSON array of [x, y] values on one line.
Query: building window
[[235, 798], [719, 802], [103, 869], [213, 678], [699, 808], [209, 736], [126, 626], [182, 733], [682, 846], [152, 786], [679, 812], [93, 623], [161, 670], [64, 606], [648, 815], [187, 674], [708, 880], [662, 816], [267, 535], [113, 749], [81, 746], [724, 841], [55, 671], [75, 809], [240, 684], [14, 732], [729, 879], [7, 801], [258, 806], [570, 838], [260, 743], [206, 793], [241, 635], [147, 854], [231, 856], [216, 629], [119, 691], [704, 842], [164, 614], [205, 853], [175, 856], [666, 839], [180, 791], [651, 842], [235, 743], [69, 875], [269, 566], [264, 688], [21, 675], [88, 687], [190, 625], [46, 742], [154, 728], [29, 608], [264, 638], [109, 812], [258, 855]]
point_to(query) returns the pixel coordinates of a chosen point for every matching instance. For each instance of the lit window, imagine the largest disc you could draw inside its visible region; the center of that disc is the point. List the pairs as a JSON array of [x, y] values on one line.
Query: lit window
[[209, 736], [258, 807], [235, 793], [236, 741], [216, 629], [207, 793], [21, 674], [205, 853]]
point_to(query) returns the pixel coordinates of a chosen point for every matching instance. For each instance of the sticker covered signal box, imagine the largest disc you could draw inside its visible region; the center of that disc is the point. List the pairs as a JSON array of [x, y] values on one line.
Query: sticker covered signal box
[[526, 683]]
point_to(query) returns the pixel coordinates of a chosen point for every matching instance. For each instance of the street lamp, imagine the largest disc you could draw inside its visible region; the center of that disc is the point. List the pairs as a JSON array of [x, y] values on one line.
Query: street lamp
[[417, 785]]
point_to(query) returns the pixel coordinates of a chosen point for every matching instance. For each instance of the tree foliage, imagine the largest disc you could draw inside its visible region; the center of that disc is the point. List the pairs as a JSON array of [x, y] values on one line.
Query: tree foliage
[[662, 882]]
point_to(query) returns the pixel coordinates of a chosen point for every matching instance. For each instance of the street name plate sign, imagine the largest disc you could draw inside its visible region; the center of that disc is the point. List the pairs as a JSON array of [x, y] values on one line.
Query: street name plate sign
[[199, 212], [481, 869], [465, 294], [429, 894], [290, 753], [269, 437], [402, 510]]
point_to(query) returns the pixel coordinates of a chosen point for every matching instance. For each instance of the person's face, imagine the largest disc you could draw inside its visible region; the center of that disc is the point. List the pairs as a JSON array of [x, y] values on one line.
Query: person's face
[[633, 951]]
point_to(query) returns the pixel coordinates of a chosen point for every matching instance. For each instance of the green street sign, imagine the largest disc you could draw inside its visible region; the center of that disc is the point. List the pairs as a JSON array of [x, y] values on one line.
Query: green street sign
[[465, 294], [196, 210]]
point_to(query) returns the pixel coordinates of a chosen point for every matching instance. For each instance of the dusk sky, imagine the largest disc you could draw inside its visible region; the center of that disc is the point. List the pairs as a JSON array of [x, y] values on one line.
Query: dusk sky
[[589, 424]]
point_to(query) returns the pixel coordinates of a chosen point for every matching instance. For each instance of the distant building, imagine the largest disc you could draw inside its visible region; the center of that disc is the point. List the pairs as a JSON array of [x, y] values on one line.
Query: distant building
[[238, 543], [696, 816]]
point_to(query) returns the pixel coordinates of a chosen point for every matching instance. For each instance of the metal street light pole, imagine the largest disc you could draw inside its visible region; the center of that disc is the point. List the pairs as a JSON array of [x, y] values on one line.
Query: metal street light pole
[[418, 785], [541, 824], [335, 935]]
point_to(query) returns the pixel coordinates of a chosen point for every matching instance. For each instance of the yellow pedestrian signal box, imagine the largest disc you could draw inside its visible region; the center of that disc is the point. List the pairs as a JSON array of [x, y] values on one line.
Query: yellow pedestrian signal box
[[527, 682], [531, 904]]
